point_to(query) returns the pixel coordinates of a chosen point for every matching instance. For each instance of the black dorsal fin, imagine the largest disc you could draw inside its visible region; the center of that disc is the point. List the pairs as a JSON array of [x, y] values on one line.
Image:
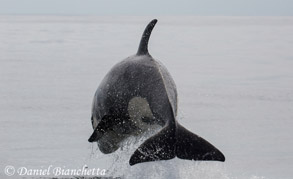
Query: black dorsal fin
[[143, 46]]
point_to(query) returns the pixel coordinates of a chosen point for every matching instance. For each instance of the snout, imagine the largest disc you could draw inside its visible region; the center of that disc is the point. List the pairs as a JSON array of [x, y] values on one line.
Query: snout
[[95, 136]]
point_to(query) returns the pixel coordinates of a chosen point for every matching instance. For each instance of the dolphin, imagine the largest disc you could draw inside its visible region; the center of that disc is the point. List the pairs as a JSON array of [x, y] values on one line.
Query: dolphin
[[137, 94]]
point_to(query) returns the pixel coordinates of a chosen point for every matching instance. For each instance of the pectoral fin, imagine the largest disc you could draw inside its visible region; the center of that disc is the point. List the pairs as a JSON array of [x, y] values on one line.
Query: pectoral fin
[[169, 143], [159, 147], [192, 147]]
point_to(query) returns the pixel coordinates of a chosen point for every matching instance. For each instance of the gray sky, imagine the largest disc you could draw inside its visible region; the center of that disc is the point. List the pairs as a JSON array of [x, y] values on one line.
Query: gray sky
[[149, 7]]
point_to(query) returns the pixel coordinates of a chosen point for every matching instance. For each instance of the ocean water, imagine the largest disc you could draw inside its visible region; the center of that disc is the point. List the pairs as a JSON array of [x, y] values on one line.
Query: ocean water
[[234, 77]]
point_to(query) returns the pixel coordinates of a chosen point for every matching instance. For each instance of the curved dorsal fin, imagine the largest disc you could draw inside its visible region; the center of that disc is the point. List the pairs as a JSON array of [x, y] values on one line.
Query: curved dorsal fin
[[143, 46]]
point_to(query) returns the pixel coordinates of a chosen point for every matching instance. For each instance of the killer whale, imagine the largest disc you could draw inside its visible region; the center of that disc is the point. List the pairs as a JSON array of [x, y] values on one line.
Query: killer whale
[[136, 94]]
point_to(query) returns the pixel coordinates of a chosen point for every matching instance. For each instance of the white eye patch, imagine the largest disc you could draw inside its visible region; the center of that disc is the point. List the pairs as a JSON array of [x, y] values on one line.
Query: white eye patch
[[139, 108]]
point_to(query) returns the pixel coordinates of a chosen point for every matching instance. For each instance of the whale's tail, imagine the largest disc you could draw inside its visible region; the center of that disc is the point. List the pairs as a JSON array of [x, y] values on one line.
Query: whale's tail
[[143, 46]]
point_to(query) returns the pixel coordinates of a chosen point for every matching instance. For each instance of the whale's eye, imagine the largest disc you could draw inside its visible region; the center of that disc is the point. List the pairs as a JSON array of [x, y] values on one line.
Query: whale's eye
[[125, 127], [148, 120]]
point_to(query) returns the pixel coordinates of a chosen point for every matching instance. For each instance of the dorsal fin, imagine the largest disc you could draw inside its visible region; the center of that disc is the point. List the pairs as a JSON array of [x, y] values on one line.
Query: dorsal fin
[[143, 46]]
